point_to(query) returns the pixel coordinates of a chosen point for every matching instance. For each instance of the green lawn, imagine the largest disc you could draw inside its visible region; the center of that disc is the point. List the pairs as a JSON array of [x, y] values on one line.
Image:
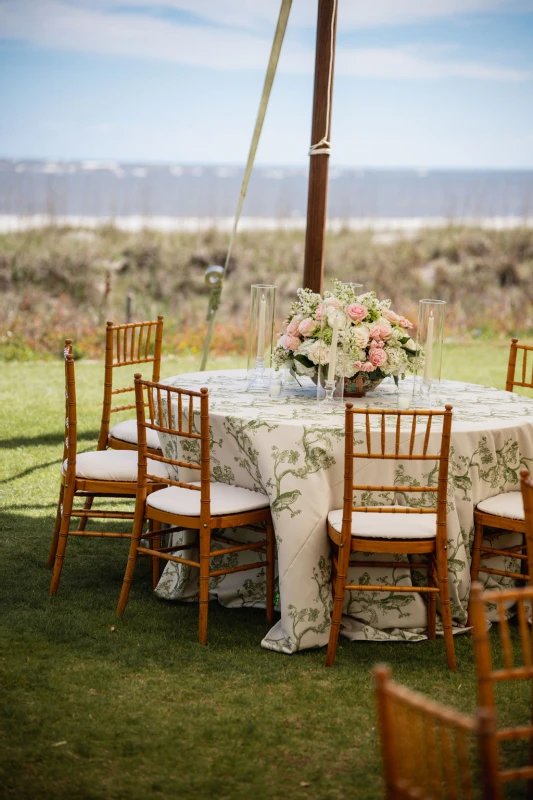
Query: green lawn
[[95, 707]]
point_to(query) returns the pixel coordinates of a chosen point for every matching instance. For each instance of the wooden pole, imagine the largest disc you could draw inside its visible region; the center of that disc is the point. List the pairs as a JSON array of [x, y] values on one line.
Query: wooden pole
[[317, 198]]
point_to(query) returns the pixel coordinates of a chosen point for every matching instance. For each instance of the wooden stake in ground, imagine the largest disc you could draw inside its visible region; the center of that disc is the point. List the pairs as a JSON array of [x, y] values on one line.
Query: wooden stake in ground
[[317, 198]]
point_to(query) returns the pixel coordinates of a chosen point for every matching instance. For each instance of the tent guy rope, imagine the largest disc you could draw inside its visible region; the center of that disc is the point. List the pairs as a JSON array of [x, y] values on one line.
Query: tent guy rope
[[216, 284]]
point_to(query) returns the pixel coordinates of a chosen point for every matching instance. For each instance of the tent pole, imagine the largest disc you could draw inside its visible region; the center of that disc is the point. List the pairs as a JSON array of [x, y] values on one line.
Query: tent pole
[[317, 197]]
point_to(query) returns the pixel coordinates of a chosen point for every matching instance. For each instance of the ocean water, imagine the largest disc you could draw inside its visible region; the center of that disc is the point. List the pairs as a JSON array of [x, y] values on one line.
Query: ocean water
[[187, 196]]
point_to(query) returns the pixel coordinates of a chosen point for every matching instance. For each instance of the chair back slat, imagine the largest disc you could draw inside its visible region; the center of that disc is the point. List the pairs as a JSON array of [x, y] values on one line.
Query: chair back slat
[[428, 432], [464, 771], [413, 435], [191, 415], [368, 434], [427, 749], [398, 431], [70, 441], [525, 635], [505, 634]]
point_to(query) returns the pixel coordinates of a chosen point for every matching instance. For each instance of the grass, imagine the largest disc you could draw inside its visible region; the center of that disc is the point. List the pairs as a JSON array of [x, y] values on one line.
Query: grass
[[94, 707]]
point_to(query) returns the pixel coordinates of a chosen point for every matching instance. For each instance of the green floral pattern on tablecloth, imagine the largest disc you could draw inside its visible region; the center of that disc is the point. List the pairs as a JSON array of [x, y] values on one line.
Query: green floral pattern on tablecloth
[[292, 449]]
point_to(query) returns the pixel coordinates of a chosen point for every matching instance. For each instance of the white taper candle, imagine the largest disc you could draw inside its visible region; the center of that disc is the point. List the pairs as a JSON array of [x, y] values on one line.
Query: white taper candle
[[333, 351], [429, 347], [261, 329]]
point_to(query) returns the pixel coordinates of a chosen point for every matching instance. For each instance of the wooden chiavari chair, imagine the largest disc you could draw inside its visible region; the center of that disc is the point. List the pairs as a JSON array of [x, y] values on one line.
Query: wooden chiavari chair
[[393, 529], [504, 511], [515, 668], [108, 473], [524, 382], [203, 506], [429, 750], [126, 345]]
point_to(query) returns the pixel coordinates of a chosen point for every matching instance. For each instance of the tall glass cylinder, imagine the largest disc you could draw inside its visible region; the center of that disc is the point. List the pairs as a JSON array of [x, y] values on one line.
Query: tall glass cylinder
[[429, 339], [329, 355], [261, 335]]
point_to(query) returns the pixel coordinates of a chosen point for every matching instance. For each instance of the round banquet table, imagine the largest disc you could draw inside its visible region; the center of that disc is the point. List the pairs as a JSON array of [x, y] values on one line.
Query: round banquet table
[[292, 449]]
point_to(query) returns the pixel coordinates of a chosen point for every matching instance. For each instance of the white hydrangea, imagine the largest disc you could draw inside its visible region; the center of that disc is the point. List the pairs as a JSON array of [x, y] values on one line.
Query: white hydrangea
[[318, 353], [360, 336], [336, 314], [397, 360]]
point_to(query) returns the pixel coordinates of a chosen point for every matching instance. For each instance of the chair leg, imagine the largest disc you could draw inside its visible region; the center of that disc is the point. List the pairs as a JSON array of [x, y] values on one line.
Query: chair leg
[[445, 609], [270, 570], [57, 526], [338, 603], [136, 534], [476, 556], [156, 562], [87, 507], [68, 499], [432, 598], [476, 549], [205, 564]]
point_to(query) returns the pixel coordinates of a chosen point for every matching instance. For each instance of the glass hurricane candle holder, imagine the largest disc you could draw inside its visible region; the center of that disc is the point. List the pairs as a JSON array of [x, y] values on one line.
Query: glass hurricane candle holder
[[261, 336], [429, 342], [275, 384], [357, 288], [330, 354]]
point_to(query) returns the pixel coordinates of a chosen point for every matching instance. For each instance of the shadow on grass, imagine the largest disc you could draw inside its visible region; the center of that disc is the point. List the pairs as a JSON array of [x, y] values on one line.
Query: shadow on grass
[[154, 633], [29, 470], [45, 439]]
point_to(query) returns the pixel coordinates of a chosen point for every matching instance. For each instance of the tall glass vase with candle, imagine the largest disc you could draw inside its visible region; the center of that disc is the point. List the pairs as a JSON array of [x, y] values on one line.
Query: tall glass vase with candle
[[357, 288], [261, 336], [329, 355], [429, 340]]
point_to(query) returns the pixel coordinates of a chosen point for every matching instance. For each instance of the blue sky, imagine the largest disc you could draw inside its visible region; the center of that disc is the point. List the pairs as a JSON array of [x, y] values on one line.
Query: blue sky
[[423, 83]]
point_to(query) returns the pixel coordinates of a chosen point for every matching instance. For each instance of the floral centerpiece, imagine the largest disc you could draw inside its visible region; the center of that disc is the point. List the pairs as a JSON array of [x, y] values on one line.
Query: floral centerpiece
[[373, 341]]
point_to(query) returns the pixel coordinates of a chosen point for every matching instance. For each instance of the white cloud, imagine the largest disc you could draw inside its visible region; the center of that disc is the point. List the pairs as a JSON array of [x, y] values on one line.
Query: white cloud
[[93, 27], [352, 14]]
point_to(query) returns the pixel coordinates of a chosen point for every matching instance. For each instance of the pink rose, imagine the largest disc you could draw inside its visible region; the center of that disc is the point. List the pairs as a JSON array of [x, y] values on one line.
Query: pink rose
[[333, 302], [367, 367], [358, 365], [377, 357], [291, 342], [405, 323], [307, 326], [292, 327], [381, 331], [376, 345], [356, 312], [391, 316], [319, 313]]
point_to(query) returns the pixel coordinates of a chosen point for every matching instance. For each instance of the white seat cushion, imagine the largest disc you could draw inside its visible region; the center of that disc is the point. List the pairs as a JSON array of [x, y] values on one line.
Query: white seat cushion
[[508, 504], [113, 465], [224, 500], [127, 432], [387, 526]]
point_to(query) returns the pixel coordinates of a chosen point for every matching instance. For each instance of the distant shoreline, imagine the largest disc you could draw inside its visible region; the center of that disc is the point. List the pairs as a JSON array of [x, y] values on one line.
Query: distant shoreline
[[12, 223]]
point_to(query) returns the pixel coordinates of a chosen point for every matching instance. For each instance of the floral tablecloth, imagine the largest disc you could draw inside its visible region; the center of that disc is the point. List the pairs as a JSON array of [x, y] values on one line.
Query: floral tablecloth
[[292, 449]]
